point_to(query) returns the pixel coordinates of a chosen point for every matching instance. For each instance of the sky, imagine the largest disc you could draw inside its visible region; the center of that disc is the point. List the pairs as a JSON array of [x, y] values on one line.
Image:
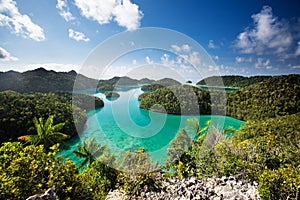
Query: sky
[[251, 37]]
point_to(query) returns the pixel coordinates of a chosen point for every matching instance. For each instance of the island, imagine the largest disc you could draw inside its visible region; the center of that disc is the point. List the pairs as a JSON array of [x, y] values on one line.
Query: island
[[112, 95]]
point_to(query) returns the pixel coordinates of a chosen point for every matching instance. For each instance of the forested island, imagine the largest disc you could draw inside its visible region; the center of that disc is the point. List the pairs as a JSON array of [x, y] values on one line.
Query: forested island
[[112, 94], [232, 81], [33, 120]]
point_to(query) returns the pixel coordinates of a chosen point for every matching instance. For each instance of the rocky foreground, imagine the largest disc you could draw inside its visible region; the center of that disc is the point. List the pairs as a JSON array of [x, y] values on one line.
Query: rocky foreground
[[193, 188], [225, 188]]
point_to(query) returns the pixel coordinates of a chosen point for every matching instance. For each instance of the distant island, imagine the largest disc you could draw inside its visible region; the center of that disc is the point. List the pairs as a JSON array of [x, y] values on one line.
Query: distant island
[[232, 81], [278, 95], [112, 94]]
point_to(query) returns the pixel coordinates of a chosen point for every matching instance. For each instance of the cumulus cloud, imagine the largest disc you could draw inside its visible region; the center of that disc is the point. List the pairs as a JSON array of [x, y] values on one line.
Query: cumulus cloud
[[148, 60], [125, 13], [64, 10], [263, 63], [269, 35], [211, 44], [186, 54], [297, 52], [128, 15], [165, 60], [215, 57], [295, 67], [18, 23], [239, 59], [78, 36], [5, 55]]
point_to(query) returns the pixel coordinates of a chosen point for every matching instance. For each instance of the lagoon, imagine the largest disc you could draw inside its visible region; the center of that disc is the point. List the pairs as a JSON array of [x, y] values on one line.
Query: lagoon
[[123, 126]]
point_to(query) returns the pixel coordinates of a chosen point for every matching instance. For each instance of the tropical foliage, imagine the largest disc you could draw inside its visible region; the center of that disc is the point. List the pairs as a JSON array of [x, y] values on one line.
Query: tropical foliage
[[47, 133], [29, 170], [18, 110], [264, 151], [111, 94], [138, 173], [183, 99], [232, 81], [166, 82], [276, 96], [89, 151]]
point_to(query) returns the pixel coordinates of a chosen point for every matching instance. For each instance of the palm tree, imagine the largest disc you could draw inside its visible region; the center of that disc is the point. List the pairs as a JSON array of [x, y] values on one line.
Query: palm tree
[[194, 126], [47, 133], [89, 150]]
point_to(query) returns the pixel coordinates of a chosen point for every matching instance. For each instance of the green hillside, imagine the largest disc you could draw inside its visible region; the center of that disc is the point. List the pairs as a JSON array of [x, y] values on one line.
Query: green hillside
[[18, 110], [232, 81], [276, 96], [41, 80], [182, 99], [165, 82]]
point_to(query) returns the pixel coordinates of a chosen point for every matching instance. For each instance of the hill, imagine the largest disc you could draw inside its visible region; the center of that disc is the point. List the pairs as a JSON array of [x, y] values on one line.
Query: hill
[[124, 80], [232, 81], [165, 82], [177, 99], [41, 80], [18, 110], [110, 84], [276, 96]]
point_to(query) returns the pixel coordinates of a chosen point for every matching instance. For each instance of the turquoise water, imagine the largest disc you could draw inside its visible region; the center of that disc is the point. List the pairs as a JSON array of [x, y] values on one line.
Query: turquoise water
[[123, 126]]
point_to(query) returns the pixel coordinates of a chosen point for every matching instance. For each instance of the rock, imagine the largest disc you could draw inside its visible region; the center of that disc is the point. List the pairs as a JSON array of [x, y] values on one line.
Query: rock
[[50, 194], [200, 189]]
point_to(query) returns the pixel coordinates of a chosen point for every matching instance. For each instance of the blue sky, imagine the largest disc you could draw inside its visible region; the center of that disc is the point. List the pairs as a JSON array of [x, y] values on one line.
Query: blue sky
[[243, 37]]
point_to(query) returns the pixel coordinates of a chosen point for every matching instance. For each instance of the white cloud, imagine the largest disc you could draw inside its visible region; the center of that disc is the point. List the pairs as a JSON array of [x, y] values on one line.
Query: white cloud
[[269, 35], [239, 59], [263, 63], [5, 56], [215, 57], [18, 23], [134, 62], [176, 48], [124, 12], [295, 67], [186, 48], [185, 52], [128, 15], [194, 58], [148, 60], [78, 36], [212, 68], [166, 61], [64, 10], [297, 52], [211, 44]]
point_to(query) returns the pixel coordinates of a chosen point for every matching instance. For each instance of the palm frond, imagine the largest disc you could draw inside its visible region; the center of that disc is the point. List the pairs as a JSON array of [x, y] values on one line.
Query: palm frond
[[48, 124], [57, 127], [79, 154], [83, 163]]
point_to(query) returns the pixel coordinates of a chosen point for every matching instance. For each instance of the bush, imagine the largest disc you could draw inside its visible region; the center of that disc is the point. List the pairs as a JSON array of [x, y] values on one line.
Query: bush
[[29, 170], [138, 173], [283, 183]]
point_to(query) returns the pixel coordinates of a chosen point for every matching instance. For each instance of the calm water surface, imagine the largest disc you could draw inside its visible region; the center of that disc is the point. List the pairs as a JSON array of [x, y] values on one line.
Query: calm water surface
[[123, 126]]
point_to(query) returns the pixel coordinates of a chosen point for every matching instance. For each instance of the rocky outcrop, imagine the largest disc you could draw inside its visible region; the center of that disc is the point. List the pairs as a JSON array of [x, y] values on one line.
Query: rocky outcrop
[[50, 194], [225, 188]]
